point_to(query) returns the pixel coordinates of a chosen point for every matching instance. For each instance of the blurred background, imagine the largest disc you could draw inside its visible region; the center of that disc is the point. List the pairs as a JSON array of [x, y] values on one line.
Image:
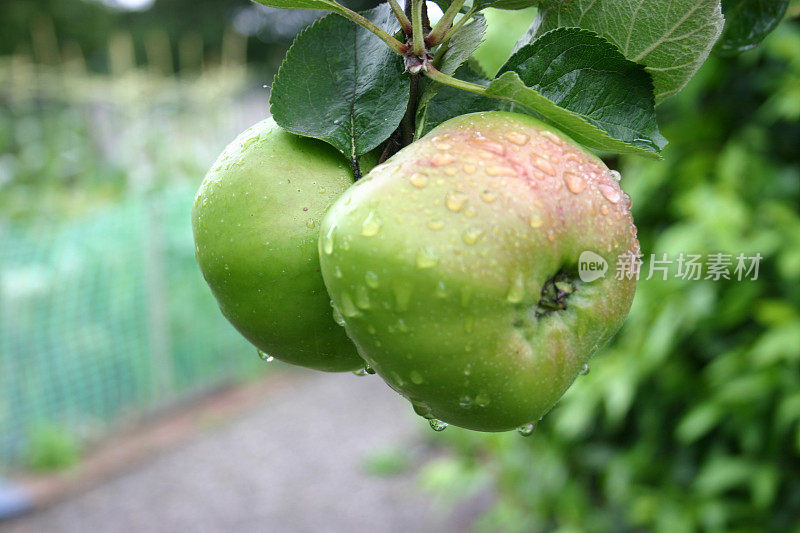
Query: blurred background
[[127, 403]]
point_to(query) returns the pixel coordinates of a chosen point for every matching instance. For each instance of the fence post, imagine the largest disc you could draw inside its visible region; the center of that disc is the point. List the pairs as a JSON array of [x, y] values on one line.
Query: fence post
[[158, 327]]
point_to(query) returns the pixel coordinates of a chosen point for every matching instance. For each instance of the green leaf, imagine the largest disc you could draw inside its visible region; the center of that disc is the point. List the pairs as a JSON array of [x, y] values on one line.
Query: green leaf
[[581, 83], [456, 51], [747, 22], [462, 45], [449, 102], [326, 5], [505, 4], [341, 84], [672, 38]]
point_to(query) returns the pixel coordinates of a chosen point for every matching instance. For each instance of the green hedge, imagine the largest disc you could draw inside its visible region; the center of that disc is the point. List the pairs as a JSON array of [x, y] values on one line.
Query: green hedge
[[690, 419]]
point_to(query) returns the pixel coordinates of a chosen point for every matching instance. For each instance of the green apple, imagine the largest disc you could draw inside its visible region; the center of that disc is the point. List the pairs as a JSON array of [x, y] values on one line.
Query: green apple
[[256, 222], [455, 267]]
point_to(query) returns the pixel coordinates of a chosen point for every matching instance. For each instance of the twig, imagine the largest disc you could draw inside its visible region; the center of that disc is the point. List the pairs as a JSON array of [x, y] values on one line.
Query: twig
[[393, 43], [405, 23], [418, 40], [445, 23]]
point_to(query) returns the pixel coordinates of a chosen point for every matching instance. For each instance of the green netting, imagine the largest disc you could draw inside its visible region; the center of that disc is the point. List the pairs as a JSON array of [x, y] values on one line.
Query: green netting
[[104, 318]]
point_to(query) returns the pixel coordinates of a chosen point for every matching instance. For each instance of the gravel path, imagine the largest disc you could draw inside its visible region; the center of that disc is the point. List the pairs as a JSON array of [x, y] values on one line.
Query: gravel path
[[293, 464]]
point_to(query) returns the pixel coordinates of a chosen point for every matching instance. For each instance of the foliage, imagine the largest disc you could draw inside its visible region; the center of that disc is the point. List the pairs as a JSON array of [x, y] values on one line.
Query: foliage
[[93, 218], [690, 420], [671, 38], [353, 84], [51, 448]]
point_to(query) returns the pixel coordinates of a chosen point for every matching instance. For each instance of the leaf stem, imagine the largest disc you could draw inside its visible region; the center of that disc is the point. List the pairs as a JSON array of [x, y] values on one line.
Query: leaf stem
[[440, 30], [401, 16], [393, 43], [444, 79], [416, 24], [457, 26]]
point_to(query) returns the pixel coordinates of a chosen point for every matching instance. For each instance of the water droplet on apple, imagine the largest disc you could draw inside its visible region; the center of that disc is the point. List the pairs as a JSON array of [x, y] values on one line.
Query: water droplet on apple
[[337, 315], [575, 183], [441, 159], [348, 309], [526, 430], [437, 425], [489, 146], [371, 225], [426, 258], [362, 297], [455, 201], [585, 370], [465, 402], [517, 138], [615, 175], [496, 170], [544, 165], [611, 194], [547, 134], [371, 279], [517, 289], [488, 197], [471, 235], [327, 241], [267, 358], [441, 289], [416, 377], [418, 180], [436, 224], [482, 399]]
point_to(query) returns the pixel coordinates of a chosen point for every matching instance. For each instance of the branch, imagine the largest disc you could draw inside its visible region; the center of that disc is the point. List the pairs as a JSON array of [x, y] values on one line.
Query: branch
[[407, 125]]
